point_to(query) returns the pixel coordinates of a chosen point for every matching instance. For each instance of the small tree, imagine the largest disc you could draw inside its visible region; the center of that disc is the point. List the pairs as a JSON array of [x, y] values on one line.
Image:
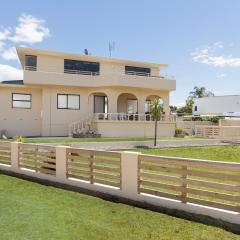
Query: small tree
[[156, 109]]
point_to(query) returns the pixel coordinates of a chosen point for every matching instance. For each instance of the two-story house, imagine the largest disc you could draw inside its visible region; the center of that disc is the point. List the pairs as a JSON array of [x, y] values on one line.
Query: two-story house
[[63, 93]]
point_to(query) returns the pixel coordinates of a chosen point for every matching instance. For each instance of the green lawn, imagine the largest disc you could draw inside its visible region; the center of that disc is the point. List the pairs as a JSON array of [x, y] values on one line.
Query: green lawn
[[228, 153], [69, 140], [33, 211]]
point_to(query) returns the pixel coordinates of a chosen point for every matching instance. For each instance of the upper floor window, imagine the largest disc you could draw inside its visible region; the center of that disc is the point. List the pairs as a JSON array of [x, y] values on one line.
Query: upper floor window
[[137, 71], [68, 101], [31, 62], [195, 108], [20, 100], [81, 67]]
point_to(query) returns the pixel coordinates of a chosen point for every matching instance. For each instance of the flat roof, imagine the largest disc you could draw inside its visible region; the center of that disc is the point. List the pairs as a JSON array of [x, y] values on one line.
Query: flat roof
[[218, 96], [22, 51]]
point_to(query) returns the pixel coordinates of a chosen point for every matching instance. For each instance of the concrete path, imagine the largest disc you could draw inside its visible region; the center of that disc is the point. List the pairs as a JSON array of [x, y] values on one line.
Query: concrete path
[[134, 144]]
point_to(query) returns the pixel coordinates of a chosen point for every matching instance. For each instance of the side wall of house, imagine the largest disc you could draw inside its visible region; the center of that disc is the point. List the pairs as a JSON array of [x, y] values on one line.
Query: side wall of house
[[17, 121]]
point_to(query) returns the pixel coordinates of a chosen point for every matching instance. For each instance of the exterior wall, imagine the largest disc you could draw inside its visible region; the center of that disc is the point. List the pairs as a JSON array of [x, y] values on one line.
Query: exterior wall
[[189, 126], [50, 71], [44, 119], [20, 122], [49, 79], [217, 105], [105, 80], [134, 129], [229, 122]]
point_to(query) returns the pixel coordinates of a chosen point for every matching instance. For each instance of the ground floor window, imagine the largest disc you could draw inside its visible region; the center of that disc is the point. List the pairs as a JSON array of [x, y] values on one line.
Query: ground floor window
[[21, 100], [68, 101]]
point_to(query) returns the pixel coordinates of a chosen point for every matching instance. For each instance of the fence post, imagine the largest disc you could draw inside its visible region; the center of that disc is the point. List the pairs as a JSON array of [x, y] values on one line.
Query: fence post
[[184, 184], [61, 162], [14, 155], [129, 173]]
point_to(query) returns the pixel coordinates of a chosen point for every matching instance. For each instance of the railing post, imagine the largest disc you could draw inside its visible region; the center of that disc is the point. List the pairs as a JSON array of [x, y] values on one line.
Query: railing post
[[129, 173], [15, 155], [61, 162]]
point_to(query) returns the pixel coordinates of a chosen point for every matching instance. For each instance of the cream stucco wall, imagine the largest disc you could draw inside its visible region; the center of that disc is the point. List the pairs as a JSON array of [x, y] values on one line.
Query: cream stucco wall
[[49, 79], [45, 119], [20, 122], [134, 129], [50, 71]]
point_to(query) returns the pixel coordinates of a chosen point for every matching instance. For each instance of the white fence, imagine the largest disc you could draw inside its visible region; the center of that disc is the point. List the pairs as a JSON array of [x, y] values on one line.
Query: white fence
[[198, 186]]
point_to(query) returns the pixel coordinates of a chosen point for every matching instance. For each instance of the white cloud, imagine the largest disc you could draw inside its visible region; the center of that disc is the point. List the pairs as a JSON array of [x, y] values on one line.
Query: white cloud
[[2, 44], [30, 30], [10, 54], [209, 56], [223, 75], [4, 34], [8, 72]]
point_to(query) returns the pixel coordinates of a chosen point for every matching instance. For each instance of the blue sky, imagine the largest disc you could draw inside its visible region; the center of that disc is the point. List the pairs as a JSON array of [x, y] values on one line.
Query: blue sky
[[200, 40]]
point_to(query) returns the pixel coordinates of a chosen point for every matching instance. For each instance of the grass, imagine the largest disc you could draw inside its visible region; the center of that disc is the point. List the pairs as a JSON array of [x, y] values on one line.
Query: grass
[[33, 211], [69, 140], [227, 153]]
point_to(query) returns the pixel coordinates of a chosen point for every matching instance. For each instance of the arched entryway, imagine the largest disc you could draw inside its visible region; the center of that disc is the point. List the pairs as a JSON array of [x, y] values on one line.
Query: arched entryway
[[149, 100], [127, 103], [98, 102]]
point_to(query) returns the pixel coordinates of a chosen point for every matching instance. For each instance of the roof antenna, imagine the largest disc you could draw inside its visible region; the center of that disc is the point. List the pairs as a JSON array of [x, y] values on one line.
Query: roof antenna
[[86, 52], [111, 48]]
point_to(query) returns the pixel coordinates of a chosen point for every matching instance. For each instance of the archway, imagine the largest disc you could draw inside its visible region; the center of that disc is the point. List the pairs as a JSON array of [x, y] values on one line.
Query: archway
[[127, 103], [149, 100], [98, 104]]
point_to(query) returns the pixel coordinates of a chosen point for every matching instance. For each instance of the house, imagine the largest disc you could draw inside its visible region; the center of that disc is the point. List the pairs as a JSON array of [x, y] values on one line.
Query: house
[[228, 106], [64, 93]]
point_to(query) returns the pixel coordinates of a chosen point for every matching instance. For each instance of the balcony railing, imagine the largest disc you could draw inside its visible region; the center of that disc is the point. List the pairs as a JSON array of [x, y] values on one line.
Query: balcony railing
[[54, 70], [51, 69], [131, 117]]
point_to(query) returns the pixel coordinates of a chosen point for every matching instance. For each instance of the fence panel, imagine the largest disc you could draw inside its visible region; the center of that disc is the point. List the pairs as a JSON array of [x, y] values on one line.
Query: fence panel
[[94, 166], [209, 183], [41, 159], [5, 153]]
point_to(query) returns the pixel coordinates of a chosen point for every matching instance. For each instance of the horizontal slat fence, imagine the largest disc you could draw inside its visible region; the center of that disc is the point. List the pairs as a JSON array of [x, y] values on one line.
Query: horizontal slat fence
[[208, 183], [5, 153], [94, 166], [39, 158]]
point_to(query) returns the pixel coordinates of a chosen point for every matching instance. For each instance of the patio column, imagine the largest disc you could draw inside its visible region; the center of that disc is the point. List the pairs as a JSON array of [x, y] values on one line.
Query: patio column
[[166, 105], [112, 103], [141, 105]]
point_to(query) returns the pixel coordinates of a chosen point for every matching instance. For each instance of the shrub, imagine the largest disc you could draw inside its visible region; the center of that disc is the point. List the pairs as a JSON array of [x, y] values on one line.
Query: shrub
[[178, 131], [19, 139]]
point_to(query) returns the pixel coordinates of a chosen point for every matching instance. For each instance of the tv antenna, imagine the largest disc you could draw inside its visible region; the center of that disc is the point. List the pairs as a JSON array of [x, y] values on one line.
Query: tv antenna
[[111, 48]]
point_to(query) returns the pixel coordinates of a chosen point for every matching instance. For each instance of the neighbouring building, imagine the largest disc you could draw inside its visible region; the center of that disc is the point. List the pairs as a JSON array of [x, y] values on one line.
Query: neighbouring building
[[64, 93], [228, 106]]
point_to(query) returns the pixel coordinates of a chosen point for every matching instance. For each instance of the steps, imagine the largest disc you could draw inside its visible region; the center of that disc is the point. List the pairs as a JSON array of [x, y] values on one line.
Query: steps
[[82, 128]]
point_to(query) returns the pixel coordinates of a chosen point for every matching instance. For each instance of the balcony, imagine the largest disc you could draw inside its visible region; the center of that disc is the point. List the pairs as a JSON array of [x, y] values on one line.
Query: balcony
[[54, 76]]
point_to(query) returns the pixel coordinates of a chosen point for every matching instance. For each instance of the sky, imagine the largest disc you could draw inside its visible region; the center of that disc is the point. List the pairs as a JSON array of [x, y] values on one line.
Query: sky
[[199, 40]]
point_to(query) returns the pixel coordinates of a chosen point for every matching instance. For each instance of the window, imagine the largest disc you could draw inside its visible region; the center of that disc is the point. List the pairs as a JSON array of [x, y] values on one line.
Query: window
[[20, 100], [195, 108], [137, 71], [68, 101], [31, 62], [132, 106], [81, 67]]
